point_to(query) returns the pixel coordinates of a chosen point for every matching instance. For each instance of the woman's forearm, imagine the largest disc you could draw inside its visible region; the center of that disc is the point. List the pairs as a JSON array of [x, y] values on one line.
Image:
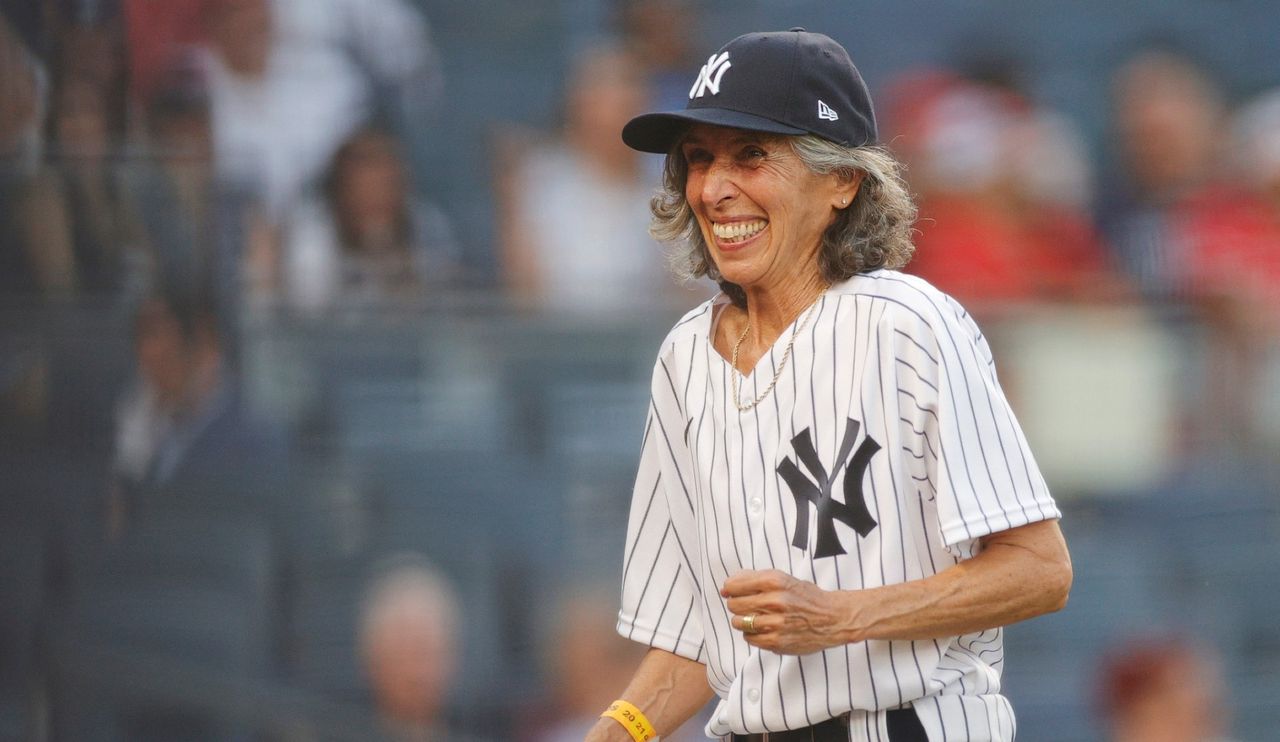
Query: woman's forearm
[[667, 688], [1019, 574]]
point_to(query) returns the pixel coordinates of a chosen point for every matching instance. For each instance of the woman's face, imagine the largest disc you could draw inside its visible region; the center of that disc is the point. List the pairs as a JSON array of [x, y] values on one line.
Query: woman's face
[[762, 212]]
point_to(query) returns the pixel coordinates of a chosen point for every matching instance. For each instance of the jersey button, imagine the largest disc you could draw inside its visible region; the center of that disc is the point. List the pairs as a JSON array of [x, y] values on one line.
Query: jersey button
[[753, 695], [755, 505]]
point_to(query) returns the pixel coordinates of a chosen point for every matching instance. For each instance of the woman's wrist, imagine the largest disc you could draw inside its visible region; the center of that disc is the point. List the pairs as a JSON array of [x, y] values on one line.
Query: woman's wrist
[[632, 719], [607, 730], [852, 608]]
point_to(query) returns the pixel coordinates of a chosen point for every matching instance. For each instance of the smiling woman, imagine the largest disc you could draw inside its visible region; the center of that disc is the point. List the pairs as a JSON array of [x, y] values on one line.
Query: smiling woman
[[874, 231], [835, 511]]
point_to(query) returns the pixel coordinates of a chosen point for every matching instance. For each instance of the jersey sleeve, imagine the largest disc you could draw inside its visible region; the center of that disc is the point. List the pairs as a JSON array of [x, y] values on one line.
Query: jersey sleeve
[[985, 479], [660, 595]]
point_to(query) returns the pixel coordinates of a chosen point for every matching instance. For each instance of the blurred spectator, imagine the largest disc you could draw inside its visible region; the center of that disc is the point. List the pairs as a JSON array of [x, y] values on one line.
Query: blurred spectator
[[661, 35], [904, 118], [367, 237], [68, 216], [79, 219], [24, 82], [1169, 123], [1231, 235], [23, 85], [190, 571], [575, 210], [1236, 240], [1162, 690], [290, 80], [91, 41], [190, 226], [409, 643], [1003, 187], [589, 664], [159, 34], [182, 431], [174, 189]]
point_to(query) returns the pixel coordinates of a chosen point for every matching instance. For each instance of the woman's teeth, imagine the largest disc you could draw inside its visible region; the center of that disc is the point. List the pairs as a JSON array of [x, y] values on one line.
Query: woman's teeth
[[738, 231]]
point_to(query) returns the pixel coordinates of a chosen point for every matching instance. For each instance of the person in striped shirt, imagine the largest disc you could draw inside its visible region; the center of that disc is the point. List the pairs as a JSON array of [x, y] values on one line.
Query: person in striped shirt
[[835, 511]]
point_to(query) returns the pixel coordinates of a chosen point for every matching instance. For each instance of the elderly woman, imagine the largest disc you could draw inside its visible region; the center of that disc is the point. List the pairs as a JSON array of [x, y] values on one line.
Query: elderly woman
[[836, 511]]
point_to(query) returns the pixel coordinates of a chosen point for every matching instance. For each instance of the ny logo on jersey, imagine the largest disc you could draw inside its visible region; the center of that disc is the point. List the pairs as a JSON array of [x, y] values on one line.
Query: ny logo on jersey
[[709, 77], [852, 512]]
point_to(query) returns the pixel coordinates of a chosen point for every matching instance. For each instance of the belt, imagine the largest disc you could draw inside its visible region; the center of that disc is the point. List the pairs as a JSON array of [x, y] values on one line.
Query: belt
[[831, 730], [836, 730]]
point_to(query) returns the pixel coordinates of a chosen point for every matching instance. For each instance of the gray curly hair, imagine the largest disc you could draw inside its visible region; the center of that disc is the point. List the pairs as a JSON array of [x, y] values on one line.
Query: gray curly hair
[[874, 232]]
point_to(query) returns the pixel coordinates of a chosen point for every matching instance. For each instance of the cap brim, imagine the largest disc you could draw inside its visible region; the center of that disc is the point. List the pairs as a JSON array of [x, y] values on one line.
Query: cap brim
[[656, 132]]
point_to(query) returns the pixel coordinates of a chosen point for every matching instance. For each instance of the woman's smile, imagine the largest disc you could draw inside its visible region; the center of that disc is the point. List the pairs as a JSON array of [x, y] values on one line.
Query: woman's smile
[[734, 235]]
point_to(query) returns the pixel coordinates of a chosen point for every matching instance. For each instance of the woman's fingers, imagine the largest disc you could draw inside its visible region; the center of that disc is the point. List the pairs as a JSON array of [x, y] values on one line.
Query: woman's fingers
[[755, 623]]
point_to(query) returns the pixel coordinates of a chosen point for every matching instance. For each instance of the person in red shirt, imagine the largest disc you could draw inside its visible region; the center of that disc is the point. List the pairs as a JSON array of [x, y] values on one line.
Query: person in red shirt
[[1002, 186], [1231, 231], [1234, 229]]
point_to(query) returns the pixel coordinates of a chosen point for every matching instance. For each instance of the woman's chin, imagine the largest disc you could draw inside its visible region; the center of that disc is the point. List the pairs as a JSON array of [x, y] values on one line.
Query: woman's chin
[[740, 278], [735, 267]]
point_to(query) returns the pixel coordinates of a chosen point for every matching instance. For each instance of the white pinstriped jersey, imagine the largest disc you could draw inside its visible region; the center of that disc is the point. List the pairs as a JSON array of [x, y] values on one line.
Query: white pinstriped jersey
[[892, 381]]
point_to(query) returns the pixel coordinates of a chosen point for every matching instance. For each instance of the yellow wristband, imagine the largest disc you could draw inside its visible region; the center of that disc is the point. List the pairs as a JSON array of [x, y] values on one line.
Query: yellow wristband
[[632, 718]]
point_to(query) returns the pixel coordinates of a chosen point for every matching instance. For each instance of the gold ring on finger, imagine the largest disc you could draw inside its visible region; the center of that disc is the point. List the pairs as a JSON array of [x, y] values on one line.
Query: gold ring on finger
[[749, 623]]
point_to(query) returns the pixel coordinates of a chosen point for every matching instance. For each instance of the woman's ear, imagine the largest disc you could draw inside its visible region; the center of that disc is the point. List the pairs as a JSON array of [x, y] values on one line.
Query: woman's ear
[[847, 185]]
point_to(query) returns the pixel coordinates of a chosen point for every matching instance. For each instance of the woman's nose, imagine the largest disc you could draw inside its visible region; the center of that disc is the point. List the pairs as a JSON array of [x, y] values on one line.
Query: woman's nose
[[718, 184]]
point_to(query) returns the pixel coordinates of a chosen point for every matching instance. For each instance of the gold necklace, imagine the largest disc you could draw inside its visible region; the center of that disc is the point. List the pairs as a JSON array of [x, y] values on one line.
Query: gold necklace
[[786, 355]]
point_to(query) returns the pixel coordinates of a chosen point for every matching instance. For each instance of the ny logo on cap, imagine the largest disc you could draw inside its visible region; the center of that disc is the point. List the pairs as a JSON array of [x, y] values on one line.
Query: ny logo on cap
[[709, 77], [827, 113]]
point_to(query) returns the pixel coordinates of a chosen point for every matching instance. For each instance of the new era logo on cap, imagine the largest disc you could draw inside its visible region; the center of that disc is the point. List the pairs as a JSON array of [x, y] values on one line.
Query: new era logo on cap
[[826, 113], [710, 76]]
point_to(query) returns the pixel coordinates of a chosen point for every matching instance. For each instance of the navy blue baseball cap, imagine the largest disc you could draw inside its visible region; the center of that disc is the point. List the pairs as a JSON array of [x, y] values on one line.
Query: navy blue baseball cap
[[782, 82]]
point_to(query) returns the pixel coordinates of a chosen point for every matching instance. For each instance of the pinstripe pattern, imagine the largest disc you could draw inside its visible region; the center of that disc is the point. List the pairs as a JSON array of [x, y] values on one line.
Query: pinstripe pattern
[[909, 367]]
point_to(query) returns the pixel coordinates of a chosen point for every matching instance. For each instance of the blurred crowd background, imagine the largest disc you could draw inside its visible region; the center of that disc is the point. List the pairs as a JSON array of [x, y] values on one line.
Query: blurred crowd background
[[327, 328]]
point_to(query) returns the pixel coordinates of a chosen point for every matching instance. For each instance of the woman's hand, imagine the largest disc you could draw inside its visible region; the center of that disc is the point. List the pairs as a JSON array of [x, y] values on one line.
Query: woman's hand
[[791, 616]]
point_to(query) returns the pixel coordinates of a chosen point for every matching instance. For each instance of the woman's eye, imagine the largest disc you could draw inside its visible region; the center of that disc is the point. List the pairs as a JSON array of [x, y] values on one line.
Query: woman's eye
[[697, 156], [754, 153]]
